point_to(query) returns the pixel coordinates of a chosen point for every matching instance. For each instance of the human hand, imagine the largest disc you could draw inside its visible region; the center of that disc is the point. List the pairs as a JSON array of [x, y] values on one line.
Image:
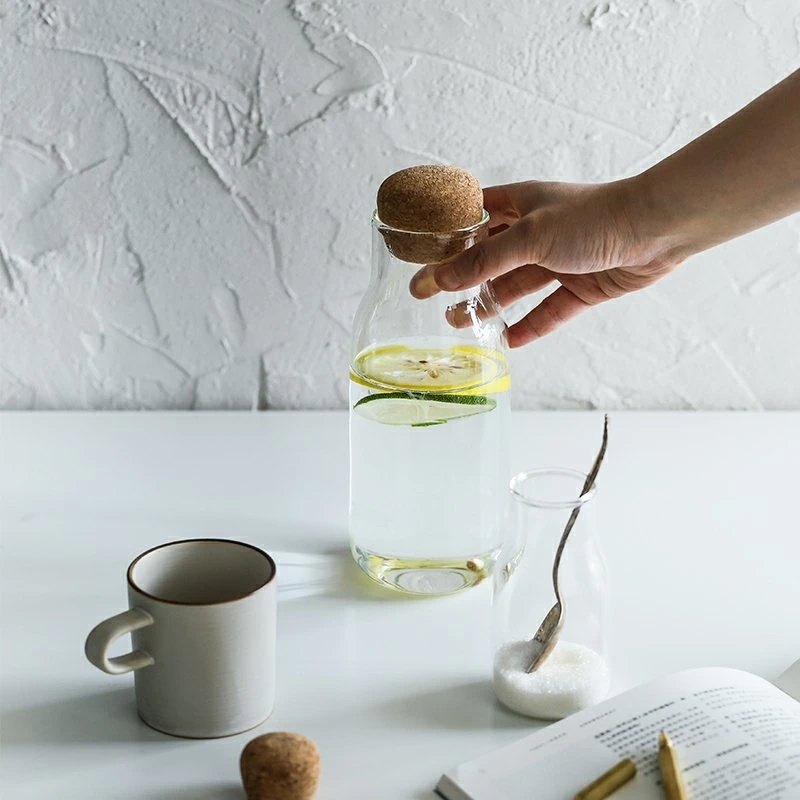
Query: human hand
[[594, 240]]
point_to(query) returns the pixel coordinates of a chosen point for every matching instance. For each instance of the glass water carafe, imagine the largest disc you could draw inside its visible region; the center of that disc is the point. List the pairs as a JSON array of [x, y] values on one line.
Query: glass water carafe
[[429, 412]]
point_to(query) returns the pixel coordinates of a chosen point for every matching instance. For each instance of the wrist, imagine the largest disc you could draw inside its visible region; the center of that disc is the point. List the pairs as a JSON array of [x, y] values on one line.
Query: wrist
[[662, 228]]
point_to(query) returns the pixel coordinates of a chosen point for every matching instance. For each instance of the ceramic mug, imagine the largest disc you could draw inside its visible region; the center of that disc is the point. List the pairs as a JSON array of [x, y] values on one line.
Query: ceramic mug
[[202, 623]]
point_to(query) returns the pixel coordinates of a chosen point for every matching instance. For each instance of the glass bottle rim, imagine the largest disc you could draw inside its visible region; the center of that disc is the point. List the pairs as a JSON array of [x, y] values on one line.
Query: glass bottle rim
[[522, 478], [382, 226]]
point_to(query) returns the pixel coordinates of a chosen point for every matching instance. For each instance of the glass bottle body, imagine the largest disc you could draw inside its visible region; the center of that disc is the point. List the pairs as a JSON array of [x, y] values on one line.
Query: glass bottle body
[[429, 416], [577, 673]]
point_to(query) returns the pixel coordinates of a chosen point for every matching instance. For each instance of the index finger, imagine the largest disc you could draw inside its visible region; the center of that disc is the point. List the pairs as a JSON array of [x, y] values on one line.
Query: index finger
[[494, 256], [510, 202], [498, 201]]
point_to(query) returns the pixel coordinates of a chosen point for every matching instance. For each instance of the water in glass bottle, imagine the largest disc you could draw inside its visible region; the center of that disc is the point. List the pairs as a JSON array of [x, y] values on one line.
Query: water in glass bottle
[[429, 411]]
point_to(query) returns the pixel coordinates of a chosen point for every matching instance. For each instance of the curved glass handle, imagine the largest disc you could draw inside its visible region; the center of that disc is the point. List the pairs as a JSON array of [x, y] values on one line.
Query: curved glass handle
[[107, 632]]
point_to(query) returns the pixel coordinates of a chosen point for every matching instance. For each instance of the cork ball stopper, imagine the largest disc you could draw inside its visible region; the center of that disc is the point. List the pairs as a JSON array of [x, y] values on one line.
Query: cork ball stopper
[[430, 198], [424, 211], [280, 766]]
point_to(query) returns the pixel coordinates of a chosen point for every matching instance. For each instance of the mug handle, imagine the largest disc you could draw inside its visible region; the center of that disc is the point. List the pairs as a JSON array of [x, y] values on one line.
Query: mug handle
[[107, 632]]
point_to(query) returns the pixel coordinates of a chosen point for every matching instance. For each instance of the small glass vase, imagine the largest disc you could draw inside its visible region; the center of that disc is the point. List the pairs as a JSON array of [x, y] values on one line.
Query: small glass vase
[[576, 674]]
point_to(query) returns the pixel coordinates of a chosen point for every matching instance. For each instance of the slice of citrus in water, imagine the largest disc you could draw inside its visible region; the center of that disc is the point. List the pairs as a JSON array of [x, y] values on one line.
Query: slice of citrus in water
[[461, 368], [401, 408]]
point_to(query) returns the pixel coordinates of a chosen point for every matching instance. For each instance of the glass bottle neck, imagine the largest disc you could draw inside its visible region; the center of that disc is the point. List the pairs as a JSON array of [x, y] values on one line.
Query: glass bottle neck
[[544, 502], [429, 247], [390, 315]]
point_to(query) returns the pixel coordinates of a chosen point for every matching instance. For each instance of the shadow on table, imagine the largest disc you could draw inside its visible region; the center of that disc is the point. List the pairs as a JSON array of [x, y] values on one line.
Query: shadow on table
[[464, 706], [103, 717], [332, 573], [222, 791], [312, 559]]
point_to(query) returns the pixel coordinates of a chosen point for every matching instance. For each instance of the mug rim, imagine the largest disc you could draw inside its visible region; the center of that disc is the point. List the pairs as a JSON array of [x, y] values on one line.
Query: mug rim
[[267, 582]]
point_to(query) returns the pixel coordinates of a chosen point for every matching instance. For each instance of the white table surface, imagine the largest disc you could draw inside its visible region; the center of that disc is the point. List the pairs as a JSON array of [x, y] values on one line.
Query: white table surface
[[697, 512]]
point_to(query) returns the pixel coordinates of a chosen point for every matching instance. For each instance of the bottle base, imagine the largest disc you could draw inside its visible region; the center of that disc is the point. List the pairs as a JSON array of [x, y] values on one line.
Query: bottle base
[[425, 577]]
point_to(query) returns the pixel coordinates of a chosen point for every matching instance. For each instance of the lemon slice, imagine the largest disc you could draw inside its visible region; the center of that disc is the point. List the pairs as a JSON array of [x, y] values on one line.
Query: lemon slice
[[462, 368], [401, 408]]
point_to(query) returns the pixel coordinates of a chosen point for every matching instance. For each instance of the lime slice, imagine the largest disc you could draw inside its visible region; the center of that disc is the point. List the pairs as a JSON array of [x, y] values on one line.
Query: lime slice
[[462, 368], [401, 408]]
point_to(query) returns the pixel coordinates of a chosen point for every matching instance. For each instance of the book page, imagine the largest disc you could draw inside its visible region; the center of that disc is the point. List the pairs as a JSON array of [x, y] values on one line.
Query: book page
[[737, 737]]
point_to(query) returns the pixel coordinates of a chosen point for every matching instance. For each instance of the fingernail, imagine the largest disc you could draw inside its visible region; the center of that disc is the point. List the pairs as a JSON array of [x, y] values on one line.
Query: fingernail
[[447, 278], [457, 316]]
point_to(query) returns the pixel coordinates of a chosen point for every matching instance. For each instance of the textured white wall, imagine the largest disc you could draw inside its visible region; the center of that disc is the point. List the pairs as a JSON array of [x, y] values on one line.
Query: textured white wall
[[185, 188]]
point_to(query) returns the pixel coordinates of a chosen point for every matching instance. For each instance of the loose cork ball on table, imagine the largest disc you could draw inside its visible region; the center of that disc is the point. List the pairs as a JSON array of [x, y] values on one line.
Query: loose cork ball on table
[[424, 208], [280, 766]]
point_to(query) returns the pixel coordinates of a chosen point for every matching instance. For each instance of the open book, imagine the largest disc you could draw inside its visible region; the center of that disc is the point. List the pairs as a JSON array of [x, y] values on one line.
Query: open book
[[737, 736]]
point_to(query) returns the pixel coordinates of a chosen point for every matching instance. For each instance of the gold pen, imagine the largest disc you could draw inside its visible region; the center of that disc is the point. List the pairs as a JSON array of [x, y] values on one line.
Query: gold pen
[[674, 788], [608, 782]]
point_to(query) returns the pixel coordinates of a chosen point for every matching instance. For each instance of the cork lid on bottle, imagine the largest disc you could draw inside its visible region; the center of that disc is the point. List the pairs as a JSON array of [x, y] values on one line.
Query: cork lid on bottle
[[430, 212]]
